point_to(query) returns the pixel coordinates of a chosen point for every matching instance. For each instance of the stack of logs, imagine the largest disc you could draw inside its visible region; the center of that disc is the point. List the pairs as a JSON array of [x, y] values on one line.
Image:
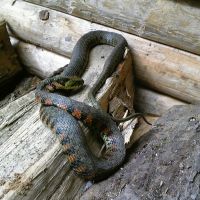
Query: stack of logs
[[44, 39]]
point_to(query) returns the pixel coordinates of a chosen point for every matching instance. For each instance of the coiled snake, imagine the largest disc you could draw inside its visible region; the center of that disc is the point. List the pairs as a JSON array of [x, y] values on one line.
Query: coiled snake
[[60, 113]]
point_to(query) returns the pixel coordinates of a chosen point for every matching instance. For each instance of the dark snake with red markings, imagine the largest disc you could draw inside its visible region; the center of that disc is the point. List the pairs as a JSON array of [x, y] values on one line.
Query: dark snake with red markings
[[61, 113]]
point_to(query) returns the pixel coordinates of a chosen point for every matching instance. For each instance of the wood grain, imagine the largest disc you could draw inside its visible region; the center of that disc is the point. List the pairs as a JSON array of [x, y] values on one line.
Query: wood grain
[[175, 23]]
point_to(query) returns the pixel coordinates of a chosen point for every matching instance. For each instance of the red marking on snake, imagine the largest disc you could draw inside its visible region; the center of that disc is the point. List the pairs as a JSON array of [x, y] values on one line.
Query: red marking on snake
[[88, 120], [76, 113], [48, 102], [63, 106]]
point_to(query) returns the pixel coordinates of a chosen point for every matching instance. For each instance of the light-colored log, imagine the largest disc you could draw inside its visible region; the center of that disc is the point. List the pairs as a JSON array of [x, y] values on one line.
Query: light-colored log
[[37, 60], [148, 101], [162, 68], [175, 23]]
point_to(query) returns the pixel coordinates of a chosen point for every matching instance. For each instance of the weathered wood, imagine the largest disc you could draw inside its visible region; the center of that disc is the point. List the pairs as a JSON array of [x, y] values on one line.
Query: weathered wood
[[37, 60], [32, 165], [148, 101], [162, 68], [164, 164], [175, 23], [9, 65]]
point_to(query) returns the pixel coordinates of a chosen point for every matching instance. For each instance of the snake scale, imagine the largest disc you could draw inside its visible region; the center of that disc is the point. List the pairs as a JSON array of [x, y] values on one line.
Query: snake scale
[[61, 113]]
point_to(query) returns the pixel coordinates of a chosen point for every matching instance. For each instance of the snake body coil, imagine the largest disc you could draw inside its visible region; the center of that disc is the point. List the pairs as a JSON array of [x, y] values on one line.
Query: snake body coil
[[61, 113]]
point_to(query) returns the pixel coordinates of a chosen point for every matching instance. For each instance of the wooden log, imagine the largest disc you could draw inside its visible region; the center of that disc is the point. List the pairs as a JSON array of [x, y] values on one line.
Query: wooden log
[[35, 167], [148, 101], [38, 61], [9, 65], [167, 22], [162, 68]]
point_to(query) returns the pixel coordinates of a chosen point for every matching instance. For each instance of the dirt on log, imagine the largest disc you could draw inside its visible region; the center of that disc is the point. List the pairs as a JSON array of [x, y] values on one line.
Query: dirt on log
[[164, 164]]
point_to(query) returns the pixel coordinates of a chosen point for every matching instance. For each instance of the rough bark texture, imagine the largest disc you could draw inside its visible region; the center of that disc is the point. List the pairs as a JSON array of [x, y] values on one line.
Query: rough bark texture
[[171, 22], [9, 65], [164, 163]]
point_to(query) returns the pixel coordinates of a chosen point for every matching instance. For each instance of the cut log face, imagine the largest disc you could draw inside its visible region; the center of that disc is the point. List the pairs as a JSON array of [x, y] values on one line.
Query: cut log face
[[165, 163]]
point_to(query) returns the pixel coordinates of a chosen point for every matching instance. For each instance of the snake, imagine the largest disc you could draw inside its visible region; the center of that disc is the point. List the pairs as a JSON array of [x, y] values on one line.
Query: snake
[[62, 114]]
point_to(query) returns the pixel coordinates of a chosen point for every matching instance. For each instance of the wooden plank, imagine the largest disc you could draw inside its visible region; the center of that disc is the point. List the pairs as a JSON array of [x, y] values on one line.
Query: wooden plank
[[175, 23], [162, 68], [32, 166]]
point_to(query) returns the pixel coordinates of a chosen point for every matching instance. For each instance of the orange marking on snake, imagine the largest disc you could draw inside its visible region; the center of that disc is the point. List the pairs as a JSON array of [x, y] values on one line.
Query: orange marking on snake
[[76, 113], [48, 102], [88, 120], [71, 158]]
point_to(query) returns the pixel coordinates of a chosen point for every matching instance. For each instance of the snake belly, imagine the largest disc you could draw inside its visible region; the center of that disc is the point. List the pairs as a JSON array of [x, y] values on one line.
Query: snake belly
[[61, 113]]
